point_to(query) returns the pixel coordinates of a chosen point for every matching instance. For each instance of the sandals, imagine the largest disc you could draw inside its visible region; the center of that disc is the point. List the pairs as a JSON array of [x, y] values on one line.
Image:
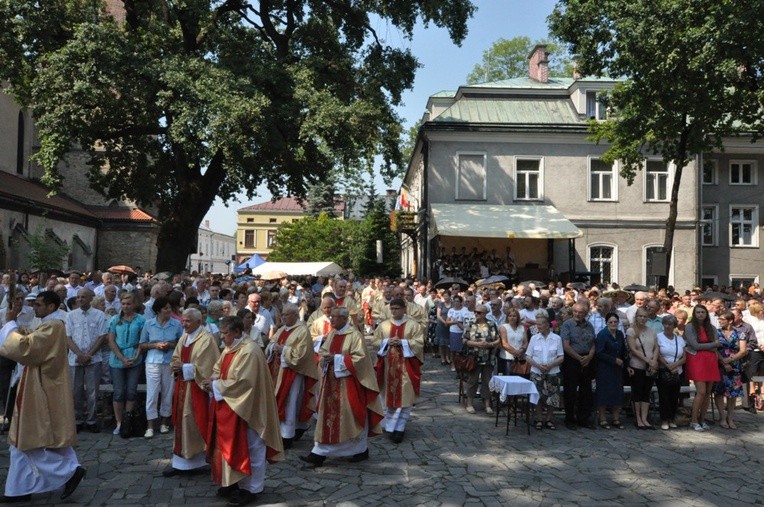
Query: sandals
[[604, 425], [538, 425], [549, 425], [617, 425]]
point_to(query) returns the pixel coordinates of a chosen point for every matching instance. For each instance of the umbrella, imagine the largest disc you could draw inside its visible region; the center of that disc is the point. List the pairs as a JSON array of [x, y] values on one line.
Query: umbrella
[[578, 285], [121, 269], [538, 283], [273, 275], [445, 283], [492, 280], [164, 275], [717, 295], [634, 287], [613, 294]]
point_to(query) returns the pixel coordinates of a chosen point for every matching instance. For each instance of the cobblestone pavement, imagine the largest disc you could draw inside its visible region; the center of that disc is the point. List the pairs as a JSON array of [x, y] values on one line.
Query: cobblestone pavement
[[452, 458]]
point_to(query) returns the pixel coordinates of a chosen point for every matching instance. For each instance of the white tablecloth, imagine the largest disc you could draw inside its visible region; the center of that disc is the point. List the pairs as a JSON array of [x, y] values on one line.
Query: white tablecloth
[[512, 385]]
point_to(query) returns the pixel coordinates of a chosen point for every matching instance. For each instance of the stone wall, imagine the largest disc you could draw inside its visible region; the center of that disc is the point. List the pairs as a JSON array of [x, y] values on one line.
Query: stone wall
[[133, 248]]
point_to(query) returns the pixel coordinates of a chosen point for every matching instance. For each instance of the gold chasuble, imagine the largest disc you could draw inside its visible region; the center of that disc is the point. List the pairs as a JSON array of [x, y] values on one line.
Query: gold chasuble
[[345, 403], [43, 415], [399, 377], [248, 401], [190, 406], [300, 360]]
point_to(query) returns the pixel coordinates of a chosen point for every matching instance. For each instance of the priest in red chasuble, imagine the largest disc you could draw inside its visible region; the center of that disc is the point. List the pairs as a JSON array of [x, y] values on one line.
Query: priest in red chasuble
[[244, 426], [399, 367], [320, 324], [192, 362], [348, 405], [294, 372]]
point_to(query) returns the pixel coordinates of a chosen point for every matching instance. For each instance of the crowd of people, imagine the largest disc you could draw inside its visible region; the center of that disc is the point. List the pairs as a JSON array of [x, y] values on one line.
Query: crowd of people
[[229, 360]]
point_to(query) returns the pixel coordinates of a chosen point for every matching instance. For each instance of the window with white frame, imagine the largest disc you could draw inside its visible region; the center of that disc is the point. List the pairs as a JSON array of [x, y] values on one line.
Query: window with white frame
[[743, 172], [595, 108], [470, 176], [656, 181], [744, 221], [528, 179], [709, 220], [271, 241], [710, 172], [743, 281], [602, 261], [602, 180]]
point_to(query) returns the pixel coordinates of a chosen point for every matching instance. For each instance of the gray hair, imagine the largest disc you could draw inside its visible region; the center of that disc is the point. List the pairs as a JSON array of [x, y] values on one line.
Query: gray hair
[[481, 307], [541, 314], [669, 319], [289, 308], [342, 311], [214, 306], [193, 314]]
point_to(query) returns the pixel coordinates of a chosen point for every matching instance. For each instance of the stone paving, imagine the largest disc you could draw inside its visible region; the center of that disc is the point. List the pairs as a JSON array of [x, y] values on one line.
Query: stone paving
[[450, 457]]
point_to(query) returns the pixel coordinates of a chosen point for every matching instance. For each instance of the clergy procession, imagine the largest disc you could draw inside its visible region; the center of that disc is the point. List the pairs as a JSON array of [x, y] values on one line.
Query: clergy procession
[[238, 374]]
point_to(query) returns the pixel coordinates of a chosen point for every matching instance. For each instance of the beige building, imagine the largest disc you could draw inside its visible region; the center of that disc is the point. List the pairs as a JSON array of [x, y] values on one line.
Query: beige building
[[509, 165], [256, 225]]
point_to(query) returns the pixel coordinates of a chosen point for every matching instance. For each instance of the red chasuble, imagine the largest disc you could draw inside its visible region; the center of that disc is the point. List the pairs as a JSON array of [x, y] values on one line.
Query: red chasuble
[[200, 401], [229, 432], [389, 370], [275, 364]]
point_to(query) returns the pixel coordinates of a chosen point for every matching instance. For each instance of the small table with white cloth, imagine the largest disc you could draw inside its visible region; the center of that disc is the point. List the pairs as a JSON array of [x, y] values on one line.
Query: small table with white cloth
[[512, 389]]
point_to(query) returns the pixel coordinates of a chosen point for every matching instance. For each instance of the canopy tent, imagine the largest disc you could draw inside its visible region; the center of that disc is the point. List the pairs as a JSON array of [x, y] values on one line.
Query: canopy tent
[[250, 263], [501, 221], [299, 268]]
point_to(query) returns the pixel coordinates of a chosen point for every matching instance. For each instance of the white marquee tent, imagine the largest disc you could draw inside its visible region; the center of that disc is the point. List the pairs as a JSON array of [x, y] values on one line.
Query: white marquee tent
[[299, 268]]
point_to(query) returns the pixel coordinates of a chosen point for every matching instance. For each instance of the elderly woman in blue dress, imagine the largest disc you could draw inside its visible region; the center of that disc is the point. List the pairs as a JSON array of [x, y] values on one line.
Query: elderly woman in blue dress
[[612, 353]]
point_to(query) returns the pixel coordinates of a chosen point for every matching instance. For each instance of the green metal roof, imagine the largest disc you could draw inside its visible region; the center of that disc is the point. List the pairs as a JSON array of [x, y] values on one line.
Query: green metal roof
[[561, 83], [555, 111]]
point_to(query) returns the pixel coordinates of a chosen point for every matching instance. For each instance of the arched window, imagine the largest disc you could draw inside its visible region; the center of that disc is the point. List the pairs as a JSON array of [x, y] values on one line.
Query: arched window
[[20, 145], [602, 260]]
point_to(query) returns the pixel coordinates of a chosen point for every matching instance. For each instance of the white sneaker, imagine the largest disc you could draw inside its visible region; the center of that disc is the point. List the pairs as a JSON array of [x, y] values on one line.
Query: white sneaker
[[470, 409], [116, 430], [705, 426], [489, 410], [149, 433], [164, 429], [664, 426], [696, 427]]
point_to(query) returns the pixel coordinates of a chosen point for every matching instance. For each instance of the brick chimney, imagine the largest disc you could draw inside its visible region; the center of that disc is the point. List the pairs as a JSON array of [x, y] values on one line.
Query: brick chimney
[[576, 72], [538, 64]]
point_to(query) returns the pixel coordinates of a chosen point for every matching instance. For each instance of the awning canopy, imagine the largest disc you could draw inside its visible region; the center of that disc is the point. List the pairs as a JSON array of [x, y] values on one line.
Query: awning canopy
[[299, 268], [500, 221]]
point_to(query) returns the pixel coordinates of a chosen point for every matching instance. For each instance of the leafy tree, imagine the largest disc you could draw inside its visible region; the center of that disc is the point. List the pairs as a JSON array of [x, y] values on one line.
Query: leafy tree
[[320, 198], [376, 227], [508, 58], [408, 143], [312, 239], [177, 103], [44, 251], [693, 76]]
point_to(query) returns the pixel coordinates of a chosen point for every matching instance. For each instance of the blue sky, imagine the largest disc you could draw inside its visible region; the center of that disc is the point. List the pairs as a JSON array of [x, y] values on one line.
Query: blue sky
[[444, 67]]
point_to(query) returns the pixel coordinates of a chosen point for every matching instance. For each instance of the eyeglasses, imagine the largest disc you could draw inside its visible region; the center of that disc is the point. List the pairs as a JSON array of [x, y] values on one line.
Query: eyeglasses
[[479, 313]]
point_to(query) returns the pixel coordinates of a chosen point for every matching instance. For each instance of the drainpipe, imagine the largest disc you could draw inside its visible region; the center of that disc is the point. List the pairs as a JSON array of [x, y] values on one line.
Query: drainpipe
[[698, 214]]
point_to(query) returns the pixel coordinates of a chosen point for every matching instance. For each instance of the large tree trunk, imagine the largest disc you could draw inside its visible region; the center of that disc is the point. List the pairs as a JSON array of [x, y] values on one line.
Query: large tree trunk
[[179, 219]]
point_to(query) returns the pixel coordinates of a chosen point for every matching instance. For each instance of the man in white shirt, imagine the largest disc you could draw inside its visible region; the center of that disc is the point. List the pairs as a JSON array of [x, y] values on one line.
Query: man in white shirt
[[111, 301], [74, 285], [263, 321], [86, 330]]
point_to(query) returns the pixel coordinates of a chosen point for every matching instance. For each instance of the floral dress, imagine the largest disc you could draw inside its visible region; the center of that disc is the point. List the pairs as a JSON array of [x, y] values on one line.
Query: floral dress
[[731, 384]]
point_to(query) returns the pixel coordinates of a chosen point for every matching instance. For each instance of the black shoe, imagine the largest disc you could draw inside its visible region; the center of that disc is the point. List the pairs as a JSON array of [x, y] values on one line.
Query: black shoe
[[298, 433], [73, 482], [175, 472], [571, 426], [287, 442], [227, 491], [79, 427], [361, 456], [396, 437], [313, 459], [93, 428], [588, 424], [15, 499], [241, 497]]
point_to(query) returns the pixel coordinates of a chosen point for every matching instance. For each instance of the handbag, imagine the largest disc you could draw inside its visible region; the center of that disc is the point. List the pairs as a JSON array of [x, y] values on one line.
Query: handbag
[[521, 367], [465, 362], [664, 374]]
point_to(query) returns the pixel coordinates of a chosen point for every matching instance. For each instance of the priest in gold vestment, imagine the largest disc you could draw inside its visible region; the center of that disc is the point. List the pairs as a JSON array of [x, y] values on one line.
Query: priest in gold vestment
[[399, 367], [244, 425], [192, 361], [348, 406], [42, 430], [293, 370]]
